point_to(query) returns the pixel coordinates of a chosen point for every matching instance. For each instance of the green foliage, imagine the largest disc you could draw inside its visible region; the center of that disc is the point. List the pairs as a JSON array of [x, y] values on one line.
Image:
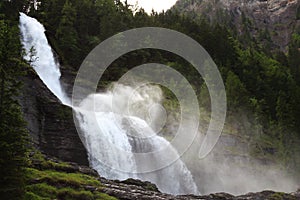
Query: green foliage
[[204, 97], [100, 196], [13, 134], [42, 190], [32, 196], [49, 184], [294, 57], [11, 9], [236, 92], [70, 179], [67, 34], [281, 196]]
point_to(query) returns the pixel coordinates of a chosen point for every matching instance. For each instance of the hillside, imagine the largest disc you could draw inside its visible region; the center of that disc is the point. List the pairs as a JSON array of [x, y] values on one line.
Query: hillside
[[269, 22]]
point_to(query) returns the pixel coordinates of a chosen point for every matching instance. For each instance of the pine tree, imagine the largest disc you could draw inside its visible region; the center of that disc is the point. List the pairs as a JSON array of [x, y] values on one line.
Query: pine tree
[[67, 34], [236, 92], [13, 134], [293, 57]]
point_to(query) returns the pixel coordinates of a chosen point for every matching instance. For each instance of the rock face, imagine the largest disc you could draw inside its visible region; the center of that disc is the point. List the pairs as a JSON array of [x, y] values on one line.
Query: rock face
[[272, 21], [50, 123]]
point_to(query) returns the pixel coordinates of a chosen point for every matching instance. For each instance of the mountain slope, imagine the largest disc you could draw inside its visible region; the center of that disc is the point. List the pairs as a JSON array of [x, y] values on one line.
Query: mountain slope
[[269, 21]]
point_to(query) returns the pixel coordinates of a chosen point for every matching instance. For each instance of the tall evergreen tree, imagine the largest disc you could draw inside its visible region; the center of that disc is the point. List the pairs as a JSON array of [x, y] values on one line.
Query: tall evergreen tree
[[13, 134], [294, 57], [67, 34], [237, 95]]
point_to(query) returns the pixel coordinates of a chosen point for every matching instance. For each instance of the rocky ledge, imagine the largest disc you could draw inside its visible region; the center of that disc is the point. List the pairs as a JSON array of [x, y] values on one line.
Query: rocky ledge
[[128, 190], [132, 189]]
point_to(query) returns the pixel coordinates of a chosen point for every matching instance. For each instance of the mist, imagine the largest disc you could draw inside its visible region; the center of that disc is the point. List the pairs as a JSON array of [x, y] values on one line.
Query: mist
[[230, 166]]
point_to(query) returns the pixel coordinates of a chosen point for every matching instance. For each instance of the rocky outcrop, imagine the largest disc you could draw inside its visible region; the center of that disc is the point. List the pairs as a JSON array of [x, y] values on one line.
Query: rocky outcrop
[[130, 192], [50, 123], [127, 191], [269, 21]]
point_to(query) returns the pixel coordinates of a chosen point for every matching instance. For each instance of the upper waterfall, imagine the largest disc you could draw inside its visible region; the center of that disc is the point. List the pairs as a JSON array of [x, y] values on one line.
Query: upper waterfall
[[35, 41]]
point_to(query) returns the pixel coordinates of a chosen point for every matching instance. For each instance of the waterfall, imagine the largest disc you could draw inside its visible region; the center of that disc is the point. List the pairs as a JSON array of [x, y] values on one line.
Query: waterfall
[[116, 140], [109, 130], [40, 54]]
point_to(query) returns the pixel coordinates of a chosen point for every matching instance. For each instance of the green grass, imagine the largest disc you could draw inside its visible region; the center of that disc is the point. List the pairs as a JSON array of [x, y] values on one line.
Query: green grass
[[48, 181], [45, 191], [49, 184], [39, 158], [32, 196], [41, 190], [70, 179]]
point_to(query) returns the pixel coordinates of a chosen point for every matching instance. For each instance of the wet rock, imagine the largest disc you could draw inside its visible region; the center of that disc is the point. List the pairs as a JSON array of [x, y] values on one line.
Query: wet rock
[[50, 123], [88, 171], [144, 184], [267, 195]]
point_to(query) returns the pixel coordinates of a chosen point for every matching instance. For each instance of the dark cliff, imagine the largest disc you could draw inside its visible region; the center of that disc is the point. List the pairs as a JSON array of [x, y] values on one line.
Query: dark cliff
[[50, 123]]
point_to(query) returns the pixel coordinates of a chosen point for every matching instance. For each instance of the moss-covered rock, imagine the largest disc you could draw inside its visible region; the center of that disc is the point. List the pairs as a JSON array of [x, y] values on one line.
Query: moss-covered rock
[[48, 178]]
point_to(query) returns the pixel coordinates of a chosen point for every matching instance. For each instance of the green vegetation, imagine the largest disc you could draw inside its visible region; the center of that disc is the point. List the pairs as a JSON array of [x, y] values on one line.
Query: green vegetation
[[74, 180], [46, 179], [293, 58], [13, 133], [280, 196], [60, 185], [52, 184]]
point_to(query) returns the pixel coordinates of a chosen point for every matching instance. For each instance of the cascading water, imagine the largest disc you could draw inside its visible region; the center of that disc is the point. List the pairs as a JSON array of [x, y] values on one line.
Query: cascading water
[[36, 44], [109, 129], [115, 138]]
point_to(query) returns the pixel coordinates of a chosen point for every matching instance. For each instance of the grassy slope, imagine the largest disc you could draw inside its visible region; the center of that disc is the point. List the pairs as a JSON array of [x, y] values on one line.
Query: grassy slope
[[49, 180]]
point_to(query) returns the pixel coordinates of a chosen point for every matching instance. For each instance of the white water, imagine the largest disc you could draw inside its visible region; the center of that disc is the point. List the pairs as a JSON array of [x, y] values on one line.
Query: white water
[[33, 36], [114, 138]]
